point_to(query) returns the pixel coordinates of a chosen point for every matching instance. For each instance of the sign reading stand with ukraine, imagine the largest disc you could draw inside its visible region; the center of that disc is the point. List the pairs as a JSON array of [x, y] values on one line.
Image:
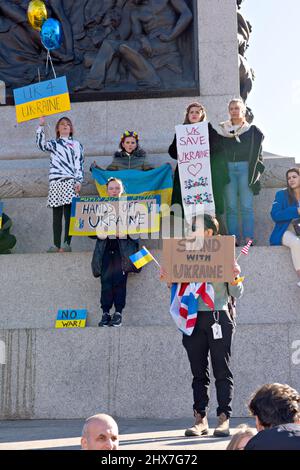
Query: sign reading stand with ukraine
[[42, 99]]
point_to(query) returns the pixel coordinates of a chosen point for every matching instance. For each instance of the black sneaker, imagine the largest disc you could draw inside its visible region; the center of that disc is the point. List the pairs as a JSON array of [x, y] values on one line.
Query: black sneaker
[[106, 318], [116, 320]]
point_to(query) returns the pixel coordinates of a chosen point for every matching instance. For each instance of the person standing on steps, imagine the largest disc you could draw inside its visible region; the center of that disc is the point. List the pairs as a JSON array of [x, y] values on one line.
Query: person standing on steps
[[242, 151], [111, 262], [65, 176], [204, 340]]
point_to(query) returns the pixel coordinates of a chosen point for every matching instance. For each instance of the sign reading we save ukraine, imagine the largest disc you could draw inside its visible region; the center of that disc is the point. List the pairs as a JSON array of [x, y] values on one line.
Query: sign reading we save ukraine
[[42, 99]]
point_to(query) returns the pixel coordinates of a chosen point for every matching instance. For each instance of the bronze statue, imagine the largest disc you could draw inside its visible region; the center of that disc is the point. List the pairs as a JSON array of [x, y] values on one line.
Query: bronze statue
[[109, 45]]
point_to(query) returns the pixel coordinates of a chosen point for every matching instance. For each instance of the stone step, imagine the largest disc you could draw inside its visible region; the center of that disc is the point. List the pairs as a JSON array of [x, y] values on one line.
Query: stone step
[[35, 287], [29, 178], [33, 223], [131, 372]]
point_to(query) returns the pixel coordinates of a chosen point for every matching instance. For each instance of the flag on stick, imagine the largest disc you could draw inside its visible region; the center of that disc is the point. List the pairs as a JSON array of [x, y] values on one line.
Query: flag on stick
[[142, 257]]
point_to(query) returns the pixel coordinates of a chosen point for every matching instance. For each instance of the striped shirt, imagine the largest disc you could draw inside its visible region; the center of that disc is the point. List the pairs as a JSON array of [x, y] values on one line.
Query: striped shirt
[[66, 156]]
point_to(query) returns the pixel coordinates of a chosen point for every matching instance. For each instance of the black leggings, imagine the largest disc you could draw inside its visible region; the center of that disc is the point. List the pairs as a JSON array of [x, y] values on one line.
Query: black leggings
[[57, 224]]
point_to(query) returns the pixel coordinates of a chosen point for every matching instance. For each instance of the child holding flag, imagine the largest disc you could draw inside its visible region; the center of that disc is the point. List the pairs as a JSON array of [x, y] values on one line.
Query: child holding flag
[[111, 262]]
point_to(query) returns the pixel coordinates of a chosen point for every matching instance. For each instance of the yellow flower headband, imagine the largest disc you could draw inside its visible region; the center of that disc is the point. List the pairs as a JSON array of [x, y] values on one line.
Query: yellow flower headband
[[129, 134]]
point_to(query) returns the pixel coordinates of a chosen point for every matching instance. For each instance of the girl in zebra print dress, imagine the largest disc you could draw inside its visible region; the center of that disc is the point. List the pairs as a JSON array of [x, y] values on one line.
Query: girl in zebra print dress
[[65, 176]]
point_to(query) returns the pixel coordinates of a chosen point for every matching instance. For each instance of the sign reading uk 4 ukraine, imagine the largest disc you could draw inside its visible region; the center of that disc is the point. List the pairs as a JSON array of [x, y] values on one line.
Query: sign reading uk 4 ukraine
[[71, 318], [42, 99]]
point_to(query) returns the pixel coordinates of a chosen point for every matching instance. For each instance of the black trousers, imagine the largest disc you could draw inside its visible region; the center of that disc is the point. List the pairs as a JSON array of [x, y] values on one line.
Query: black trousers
[[58, 213], [113, 281], [198, 346]]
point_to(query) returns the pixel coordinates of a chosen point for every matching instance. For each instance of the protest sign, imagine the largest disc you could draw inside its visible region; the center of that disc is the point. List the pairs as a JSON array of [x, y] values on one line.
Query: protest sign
[[71, 318], [212, 263], [42, 99], [114, 216], [194, 169]]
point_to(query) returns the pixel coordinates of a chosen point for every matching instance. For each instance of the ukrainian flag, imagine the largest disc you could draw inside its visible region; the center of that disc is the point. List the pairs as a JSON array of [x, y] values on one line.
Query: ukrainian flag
[[141, 258], [139, 183]]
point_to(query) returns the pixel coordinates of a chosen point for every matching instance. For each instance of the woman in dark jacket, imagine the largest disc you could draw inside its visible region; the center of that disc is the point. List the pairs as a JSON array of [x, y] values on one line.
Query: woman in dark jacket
[[111, 262], [242, 150], [285, 210], [195, 112]]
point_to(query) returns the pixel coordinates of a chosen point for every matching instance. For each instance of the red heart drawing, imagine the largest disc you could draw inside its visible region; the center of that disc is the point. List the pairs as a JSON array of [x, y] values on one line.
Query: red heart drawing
[[195, 169]]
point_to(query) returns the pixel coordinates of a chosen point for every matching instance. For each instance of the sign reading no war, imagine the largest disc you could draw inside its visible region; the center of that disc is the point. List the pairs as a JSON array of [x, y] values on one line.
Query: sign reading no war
[[71, 318], [115, 216], [212, 263], [42, 99]]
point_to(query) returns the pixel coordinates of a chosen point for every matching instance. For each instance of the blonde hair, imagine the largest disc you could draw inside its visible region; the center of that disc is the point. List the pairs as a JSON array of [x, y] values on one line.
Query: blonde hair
[[196, 104], [243, 431], [117, 181], [238, 101]]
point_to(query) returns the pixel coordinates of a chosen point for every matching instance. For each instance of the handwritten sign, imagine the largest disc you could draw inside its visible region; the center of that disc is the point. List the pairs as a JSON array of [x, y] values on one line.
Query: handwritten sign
[[114, 216], [42, 99], [194, 169], [71, 318], [212, 263], [1, 212]]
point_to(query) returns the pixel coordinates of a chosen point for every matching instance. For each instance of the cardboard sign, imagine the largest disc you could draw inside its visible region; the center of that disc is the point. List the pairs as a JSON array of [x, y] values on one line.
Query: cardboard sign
[[114, 216], [42, 99], [71, 318], [213, 263], [1, 212], [194, 169]]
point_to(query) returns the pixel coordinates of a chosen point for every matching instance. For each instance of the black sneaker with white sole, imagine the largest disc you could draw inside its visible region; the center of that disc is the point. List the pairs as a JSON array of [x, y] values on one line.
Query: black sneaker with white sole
[[116, 320], [105, 320]]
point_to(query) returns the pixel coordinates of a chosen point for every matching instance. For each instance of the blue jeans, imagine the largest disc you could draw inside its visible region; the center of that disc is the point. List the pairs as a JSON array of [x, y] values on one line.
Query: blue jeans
[[238, 186]]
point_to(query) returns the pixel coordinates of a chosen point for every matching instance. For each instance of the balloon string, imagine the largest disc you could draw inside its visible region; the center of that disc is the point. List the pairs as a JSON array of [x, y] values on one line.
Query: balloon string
[[49, 59]]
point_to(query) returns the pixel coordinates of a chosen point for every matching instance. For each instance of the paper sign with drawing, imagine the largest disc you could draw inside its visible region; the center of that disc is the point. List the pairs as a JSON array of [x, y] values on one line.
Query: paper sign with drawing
[[194, 169]]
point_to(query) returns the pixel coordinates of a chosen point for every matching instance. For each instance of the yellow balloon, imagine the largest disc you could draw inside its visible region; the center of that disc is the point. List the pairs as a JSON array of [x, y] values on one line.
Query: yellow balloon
[[37, 14]]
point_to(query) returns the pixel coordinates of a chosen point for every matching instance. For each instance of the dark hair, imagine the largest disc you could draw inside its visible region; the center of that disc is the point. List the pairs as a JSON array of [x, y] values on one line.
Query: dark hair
[[211, 222], [290, 191], [70, 124], [275, 404], [128, 134], [196, 104]]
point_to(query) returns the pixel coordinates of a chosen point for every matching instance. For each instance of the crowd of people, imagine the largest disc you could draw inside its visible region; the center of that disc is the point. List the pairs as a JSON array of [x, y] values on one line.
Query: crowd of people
[[275, 408]]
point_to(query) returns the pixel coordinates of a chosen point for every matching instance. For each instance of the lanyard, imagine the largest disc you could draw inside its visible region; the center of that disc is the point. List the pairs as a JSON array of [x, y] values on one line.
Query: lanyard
[[216, 318]]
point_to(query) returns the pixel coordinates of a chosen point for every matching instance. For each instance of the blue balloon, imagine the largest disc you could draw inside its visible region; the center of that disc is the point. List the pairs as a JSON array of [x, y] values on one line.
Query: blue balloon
[[51, 34]]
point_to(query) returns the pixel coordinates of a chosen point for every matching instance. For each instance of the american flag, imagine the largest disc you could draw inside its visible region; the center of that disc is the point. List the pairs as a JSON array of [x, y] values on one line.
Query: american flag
[[184, 303], [245, 249]]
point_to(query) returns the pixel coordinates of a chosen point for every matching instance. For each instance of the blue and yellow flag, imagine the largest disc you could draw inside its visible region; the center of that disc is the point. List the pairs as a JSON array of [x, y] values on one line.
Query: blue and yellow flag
[[139, 183], [141, 258]]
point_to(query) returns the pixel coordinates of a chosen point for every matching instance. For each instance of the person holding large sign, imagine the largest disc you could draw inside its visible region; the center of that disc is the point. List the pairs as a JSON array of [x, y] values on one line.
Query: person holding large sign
[[65, 176], [111, 262], [205, 313], [200, 176], [242, 150]]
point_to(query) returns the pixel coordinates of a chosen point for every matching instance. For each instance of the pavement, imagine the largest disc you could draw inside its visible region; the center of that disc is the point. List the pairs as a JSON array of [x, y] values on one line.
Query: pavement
[[135, 434]]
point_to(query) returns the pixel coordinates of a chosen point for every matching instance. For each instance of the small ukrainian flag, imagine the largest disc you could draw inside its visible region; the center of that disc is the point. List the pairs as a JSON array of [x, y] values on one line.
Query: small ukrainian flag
[[141, 258]]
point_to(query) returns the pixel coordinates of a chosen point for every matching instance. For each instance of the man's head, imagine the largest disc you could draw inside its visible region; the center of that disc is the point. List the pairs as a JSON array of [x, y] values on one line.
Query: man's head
[[275, 404], [100, 432]]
